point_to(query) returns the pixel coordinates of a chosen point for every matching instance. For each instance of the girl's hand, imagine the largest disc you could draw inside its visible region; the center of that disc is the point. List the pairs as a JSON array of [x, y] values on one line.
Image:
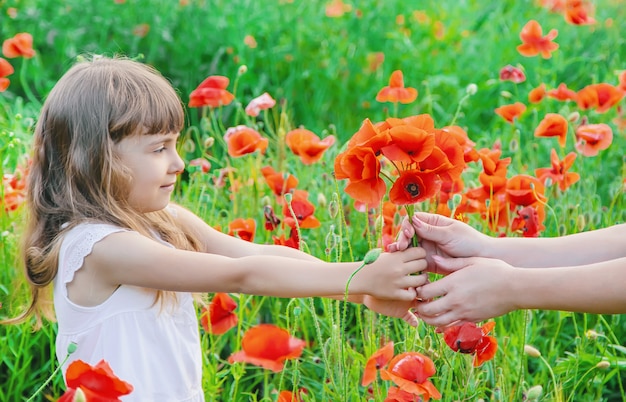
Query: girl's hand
[[393, 308], [476, 289], [390, 277]]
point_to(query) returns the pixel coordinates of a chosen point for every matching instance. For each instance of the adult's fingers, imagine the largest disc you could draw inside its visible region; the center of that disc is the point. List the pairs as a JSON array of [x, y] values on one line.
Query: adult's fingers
[[431, 226], [448, 265]]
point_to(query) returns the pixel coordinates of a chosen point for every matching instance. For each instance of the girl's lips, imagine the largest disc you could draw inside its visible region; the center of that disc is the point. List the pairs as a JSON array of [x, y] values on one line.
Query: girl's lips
[[168, 187]]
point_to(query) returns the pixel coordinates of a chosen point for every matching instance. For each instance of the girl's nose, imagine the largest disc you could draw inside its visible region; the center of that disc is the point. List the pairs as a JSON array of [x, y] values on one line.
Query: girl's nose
[[178, 165]]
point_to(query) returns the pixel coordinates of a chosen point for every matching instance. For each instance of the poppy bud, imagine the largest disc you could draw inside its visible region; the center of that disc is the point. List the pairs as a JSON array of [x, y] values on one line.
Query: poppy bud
[[603, 365], [372, 255], [71, 348], [266, 200], [321, 200], [288, 197], [242, 69], [471, 89], [333, 206], [591, 334], [208, 143], [573, 117], [506, 94], [534, 393], [189, 146], [532, 351]]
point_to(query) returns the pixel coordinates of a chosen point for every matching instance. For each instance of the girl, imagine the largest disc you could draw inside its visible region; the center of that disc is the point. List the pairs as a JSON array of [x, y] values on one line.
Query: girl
[[490, 276], [123, 261]]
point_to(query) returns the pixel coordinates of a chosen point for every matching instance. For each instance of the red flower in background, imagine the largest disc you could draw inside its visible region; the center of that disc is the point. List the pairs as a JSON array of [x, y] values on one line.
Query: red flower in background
[[307, 145], [362, 167], [511, 112], [218, 317], [211, 92], [559, 173], [271, 220], [553, 125], [593, 138], [395, 394], [410, 372], [242, 228], [578, 12], [534, 43], [537, 94], [527, 222], [6, 69], [600, 97], [268, 346], [396, 91], [205, 165], [242, 140], [376, 361], [523, 190], [622, 80], [21, 45], [280, 183], [263, 102], [97, 383], [562, 93], [14, 189], [513, 74], [470, 339], [302, 211]]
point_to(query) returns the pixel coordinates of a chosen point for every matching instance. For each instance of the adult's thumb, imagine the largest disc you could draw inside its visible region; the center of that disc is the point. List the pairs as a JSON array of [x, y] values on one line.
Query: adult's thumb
[[430, 227]]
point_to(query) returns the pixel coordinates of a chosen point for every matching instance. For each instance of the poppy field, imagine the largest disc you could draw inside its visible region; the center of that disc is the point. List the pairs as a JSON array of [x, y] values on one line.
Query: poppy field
[[319, 125]]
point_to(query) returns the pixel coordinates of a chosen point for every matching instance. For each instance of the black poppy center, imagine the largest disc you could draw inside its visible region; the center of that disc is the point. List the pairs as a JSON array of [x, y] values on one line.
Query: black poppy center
[[413, 189]]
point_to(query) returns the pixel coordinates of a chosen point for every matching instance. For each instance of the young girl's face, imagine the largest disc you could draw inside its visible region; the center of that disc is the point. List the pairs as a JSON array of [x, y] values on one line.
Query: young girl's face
[[154, 165]]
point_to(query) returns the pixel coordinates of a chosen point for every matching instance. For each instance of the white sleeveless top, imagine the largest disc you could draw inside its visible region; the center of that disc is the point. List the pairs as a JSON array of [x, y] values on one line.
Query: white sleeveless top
[[153, 346]]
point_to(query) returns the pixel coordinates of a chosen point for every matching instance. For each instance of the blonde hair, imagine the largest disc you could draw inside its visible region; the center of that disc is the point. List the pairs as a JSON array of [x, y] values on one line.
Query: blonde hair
[[75, 174]]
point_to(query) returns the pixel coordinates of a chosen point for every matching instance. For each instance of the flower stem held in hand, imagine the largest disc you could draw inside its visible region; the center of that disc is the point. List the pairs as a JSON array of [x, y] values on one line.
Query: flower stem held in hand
[[410, 210]]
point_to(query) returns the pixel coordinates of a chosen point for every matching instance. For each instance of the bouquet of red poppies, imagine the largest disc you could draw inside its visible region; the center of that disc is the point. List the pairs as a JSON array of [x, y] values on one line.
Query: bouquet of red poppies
[[409, 154]]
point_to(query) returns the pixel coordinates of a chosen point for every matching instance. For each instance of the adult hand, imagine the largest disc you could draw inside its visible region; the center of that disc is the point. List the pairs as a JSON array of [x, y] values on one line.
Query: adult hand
[[476, 289], [393, 308]]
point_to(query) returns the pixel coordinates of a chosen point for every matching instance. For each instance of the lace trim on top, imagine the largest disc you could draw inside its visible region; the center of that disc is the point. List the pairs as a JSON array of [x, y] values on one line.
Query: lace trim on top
[[84, 238]]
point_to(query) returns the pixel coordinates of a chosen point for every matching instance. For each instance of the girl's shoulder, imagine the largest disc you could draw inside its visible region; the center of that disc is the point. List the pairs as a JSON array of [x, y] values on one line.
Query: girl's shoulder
[[78, 242]]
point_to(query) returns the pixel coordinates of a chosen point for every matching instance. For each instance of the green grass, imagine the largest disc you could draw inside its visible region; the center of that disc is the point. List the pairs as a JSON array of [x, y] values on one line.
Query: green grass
[[318, 68]]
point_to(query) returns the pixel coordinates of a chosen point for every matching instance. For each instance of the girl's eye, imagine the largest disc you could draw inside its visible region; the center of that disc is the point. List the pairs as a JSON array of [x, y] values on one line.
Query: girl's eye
[[160, 150]]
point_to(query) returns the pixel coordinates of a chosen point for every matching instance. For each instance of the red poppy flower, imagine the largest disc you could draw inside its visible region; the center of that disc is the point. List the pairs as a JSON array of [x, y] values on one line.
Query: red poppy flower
[[307, 145], [601, 96], [593, 138], [460, 135], [513, 74], [558, 173], [413, 186], [537, 94], [362, 168], [288, 396], [396, 92], [280, 183], [524, 190], [268, 346], [527, 222], [21, 45], [410, 372], [263, 102], [211, 92], [337, 8], [242, 140], [6, 69], [553, 125], [271, 220], [534, 43], [511, 112], [242, 228], [204, 164], [370, 136], [292, 241], [219, 314], [562, 93], [97, 383], [303, 211], [578, 12], [395, 394], [470, 339], [376, 361], [408, 144]]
